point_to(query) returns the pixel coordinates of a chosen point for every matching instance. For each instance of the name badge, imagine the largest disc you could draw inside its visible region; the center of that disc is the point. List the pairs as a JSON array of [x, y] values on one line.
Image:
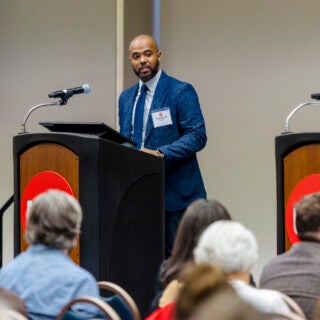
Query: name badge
[[161, 118]]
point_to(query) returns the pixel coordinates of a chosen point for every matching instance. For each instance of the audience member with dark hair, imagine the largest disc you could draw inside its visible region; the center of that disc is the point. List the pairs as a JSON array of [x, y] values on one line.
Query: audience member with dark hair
[[196, 218], [44, 276], [232, 247], [297, 271], [206, 294]]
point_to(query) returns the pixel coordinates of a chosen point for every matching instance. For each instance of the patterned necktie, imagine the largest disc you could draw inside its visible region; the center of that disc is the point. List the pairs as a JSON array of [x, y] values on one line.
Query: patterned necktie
[[138, 117]]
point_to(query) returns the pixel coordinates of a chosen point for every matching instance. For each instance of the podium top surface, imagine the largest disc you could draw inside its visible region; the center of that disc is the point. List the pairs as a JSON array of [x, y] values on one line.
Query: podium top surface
[[99, 129], [287, 142]]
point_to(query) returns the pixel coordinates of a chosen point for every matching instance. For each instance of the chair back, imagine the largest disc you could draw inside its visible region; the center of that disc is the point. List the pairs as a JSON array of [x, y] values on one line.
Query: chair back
[[105, 309], [117, 303]]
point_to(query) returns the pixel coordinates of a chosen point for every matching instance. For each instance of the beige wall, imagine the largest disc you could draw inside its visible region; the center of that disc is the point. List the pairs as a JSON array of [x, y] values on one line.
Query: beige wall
[[47, 46], [252, 62], [138, 19]]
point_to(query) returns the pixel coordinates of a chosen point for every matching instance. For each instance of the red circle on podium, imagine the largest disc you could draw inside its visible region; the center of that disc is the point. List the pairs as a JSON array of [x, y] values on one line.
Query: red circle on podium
[[305, 186], [40, 183]]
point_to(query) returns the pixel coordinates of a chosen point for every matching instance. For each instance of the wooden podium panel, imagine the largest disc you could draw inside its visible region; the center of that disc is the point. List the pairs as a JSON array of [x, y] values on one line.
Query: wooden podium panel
[[298, 164], [49, 157], [297, 156]]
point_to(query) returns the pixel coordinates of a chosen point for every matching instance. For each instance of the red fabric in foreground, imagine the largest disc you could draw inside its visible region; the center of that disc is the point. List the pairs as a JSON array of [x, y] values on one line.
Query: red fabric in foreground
[[164, 313]]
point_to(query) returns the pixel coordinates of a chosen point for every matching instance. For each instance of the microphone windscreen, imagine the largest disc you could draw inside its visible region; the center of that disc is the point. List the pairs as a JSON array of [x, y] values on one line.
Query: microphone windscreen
[[315, 96], [86, 88]]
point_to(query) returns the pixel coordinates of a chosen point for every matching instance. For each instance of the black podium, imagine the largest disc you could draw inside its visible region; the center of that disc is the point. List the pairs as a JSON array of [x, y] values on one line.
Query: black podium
[[121, 191], [297, 157]]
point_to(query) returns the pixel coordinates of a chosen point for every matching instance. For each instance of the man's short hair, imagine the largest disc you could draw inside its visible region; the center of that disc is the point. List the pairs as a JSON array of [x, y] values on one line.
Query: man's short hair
[[308, 216], [54, 219]]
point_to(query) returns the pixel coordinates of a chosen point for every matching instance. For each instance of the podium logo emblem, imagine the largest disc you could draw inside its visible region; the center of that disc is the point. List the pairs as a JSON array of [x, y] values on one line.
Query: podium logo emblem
[[307, 185], [40, 183]]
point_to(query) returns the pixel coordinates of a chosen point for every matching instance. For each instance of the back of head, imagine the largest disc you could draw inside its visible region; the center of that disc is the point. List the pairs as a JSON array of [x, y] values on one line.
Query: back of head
[[196, 218], [206, 294], [54, 219], [229, 245], [308, 217]]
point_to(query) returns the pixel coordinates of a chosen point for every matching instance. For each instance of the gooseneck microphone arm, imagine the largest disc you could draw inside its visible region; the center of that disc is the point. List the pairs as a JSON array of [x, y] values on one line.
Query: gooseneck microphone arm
[[58, 103], [295, 110], [64, 96]]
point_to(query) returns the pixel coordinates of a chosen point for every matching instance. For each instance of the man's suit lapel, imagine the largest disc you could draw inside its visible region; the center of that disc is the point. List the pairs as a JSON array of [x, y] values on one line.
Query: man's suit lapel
[[158, 101], [129, 102]]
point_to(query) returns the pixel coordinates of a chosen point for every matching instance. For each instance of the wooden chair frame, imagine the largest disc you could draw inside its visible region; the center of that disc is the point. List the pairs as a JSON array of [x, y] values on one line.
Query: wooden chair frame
[[107, 310], [124, 295]]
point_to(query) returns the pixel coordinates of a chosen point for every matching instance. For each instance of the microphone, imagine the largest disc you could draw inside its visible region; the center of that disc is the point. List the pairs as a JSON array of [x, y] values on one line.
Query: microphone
[[315, 96], [70, 92]]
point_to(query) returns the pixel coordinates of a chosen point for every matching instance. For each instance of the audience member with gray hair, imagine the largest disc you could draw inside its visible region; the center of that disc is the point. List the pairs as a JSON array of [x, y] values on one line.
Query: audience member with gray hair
[[44, 276], [232, 247]]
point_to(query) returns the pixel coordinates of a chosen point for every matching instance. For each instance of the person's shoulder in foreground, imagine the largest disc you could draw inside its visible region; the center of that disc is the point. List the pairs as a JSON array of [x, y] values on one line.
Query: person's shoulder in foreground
[[296, 271]]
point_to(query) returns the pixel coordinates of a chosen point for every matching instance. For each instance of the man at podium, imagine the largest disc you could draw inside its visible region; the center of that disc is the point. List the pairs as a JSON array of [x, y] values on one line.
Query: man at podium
[[163, 116]]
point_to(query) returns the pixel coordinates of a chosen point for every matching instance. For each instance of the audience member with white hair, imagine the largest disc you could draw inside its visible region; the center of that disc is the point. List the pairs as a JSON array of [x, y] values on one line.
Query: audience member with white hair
[[232, 247]]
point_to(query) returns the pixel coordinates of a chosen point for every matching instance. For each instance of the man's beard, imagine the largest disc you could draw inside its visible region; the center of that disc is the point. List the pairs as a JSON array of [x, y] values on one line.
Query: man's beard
[[146, 78]]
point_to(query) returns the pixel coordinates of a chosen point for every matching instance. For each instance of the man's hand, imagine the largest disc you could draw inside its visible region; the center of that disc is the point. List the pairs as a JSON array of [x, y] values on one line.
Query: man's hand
[[155, 153]]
